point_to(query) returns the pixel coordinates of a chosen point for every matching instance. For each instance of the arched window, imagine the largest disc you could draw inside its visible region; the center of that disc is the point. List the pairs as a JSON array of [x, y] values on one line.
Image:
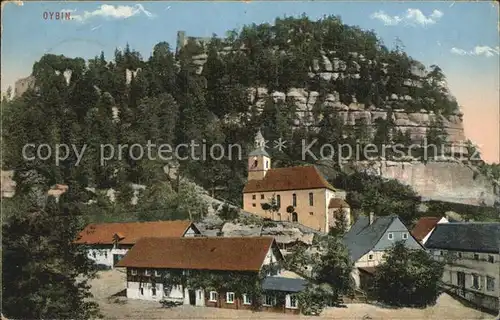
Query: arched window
[[294, 200], [267, 164], [295, 217], [311, 199], [278, 201]]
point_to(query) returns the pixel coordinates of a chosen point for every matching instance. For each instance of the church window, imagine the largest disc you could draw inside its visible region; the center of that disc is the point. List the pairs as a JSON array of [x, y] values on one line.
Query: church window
[[294, 200]]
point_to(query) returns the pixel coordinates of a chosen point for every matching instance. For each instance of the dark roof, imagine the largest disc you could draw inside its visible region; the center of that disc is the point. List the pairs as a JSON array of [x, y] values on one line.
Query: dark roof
[[466, 236], [362, 236], [291, 178], [131, 232], [338, 203], [283, 284], [217, 253], [258, 152], [369, 270], [423, 227]]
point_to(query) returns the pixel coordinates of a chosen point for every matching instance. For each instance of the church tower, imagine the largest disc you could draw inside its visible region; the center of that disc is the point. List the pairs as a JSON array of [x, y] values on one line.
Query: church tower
[[258, 160]]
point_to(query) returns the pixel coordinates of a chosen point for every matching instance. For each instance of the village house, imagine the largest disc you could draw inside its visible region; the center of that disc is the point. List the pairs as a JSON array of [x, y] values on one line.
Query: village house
[[425, 226], [368, 240], [107, 243], [302, 194], [471, 253], [180, 269]]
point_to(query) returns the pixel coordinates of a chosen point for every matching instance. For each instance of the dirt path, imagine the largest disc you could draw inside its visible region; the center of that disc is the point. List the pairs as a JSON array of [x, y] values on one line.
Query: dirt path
[[112, 282]]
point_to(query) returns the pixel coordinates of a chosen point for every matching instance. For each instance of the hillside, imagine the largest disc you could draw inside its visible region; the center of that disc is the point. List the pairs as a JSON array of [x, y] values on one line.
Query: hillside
[[297, 79]]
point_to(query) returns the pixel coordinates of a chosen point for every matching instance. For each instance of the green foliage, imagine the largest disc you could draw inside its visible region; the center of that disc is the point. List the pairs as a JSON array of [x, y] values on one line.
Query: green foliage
[[341, 224], [467, 212], [228, 213], [408, 278], [43, 270], [314, 299], [383, 197], [334, 268]]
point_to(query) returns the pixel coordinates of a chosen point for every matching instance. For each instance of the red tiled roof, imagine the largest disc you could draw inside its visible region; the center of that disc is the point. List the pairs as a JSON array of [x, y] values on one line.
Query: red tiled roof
[[130, 232], [214, 253], [423, 227], [338, 203], [291, 178]]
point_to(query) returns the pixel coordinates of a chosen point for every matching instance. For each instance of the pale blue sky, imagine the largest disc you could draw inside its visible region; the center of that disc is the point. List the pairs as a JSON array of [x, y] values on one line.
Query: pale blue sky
[[461, 37]]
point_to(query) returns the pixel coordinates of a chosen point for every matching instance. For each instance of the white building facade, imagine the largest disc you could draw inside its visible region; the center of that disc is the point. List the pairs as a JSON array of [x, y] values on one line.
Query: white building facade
[[472, 260]]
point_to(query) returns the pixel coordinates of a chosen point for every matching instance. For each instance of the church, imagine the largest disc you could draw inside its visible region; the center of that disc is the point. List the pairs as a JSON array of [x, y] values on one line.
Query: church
[[300, 194]]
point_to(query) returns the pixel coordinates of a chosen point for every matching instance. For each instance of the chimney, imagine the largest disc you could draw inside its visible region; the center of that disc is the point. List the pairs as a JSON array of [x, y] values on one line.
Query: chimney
[[371, 218]]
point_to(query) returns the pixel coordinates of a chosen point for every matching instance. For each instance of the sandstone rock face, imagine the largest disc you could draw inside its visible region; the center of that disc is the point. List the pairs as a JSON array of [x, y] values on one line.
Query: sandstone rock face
[[444, 181], [417, 123]]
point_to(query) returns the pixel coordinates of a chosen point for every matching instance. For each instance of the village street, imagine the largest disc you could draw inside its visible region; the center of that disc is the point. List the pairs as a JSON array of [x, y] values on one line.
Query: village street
[[119, 307]]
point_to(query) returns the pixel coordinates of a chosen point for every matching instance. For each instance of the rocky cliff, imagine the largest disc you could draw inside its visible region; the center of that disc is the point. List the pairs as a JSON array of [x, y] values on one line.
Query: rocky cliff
[[447, 180]]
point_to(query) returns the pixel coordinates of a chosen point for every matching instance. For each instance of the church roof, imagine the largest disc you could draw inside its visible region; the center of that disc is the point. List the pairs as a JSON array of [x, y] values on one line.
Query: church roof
[[291, 178], [258, 152]]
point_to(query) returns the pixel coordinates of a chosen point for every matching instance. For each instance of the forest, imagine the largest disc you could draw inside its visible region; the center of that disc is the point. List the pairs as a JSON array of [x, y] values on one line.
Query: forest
[[168, 101]]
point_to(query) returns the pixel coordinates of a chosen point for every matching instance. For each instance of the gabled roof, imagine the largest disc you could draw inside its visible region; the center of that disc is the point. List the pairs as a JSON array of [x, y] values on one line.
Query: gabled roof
[[131, 232], [338, 203], [466, 236], [362, 237], [284, 284], [423, 226], [291, 178], [217, 253]]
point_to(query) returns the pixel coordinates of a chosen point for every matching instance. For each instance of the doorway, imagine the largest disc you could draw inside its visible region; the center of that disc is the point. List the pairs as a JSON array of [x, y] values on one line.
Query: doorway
[[192, 297]]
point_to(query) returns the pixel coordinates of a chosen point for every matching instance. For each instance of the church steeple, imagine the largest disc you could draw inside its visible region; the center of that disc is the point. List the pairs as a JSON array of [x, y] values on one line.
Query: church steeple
[[258, 160]]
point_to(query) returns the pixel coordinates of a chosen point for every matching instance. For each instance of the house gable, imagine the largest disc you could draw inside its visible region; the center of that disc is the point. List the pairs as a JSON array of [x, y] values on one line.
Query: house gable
[[397, 229]]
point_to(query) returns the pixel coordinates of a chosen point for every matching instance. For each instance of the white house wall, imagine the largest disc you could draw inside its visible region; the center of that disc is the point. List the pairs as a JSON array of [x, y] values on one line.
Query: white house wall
[[468, 265], [104, 256]]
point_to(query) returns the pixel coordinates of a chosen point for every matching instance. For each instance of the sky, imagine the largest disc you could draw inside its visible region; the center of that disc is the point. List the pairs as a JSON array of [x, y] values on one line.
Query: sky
[[461, 37]]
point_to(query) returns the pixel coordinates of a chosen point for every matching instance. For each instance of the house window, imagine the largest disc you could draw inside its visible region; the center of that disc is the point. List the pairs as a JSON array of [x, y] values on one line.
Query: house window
[[269, 300], [147, 272], [293, 302], [475, 281], [267, 164], [246, 299], [441, 253], [460, 255], [93, 254], [491, 259], [405, 235], [461, 279], [390, 236], [254, 197], [133, 272], [199, 294], [253, 204], [294, 200], [490, 284], [370, 257], [278, 201], [141, 290], [311, 199], [153, 290], [261, 197], [213, 296], [311, 213], [476, 256], [229, 297]]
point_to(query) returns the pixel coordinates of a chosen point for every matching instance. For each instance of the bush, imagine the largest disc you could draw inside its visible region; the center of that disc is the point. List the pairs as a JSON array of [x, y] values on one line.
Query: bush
[[407, 278]]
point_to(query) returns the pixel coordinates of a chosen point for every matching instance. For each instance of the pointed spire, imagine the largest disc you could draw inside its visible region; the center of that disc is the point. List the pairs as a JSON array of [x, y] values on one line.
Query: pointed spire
[[260, 142]]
